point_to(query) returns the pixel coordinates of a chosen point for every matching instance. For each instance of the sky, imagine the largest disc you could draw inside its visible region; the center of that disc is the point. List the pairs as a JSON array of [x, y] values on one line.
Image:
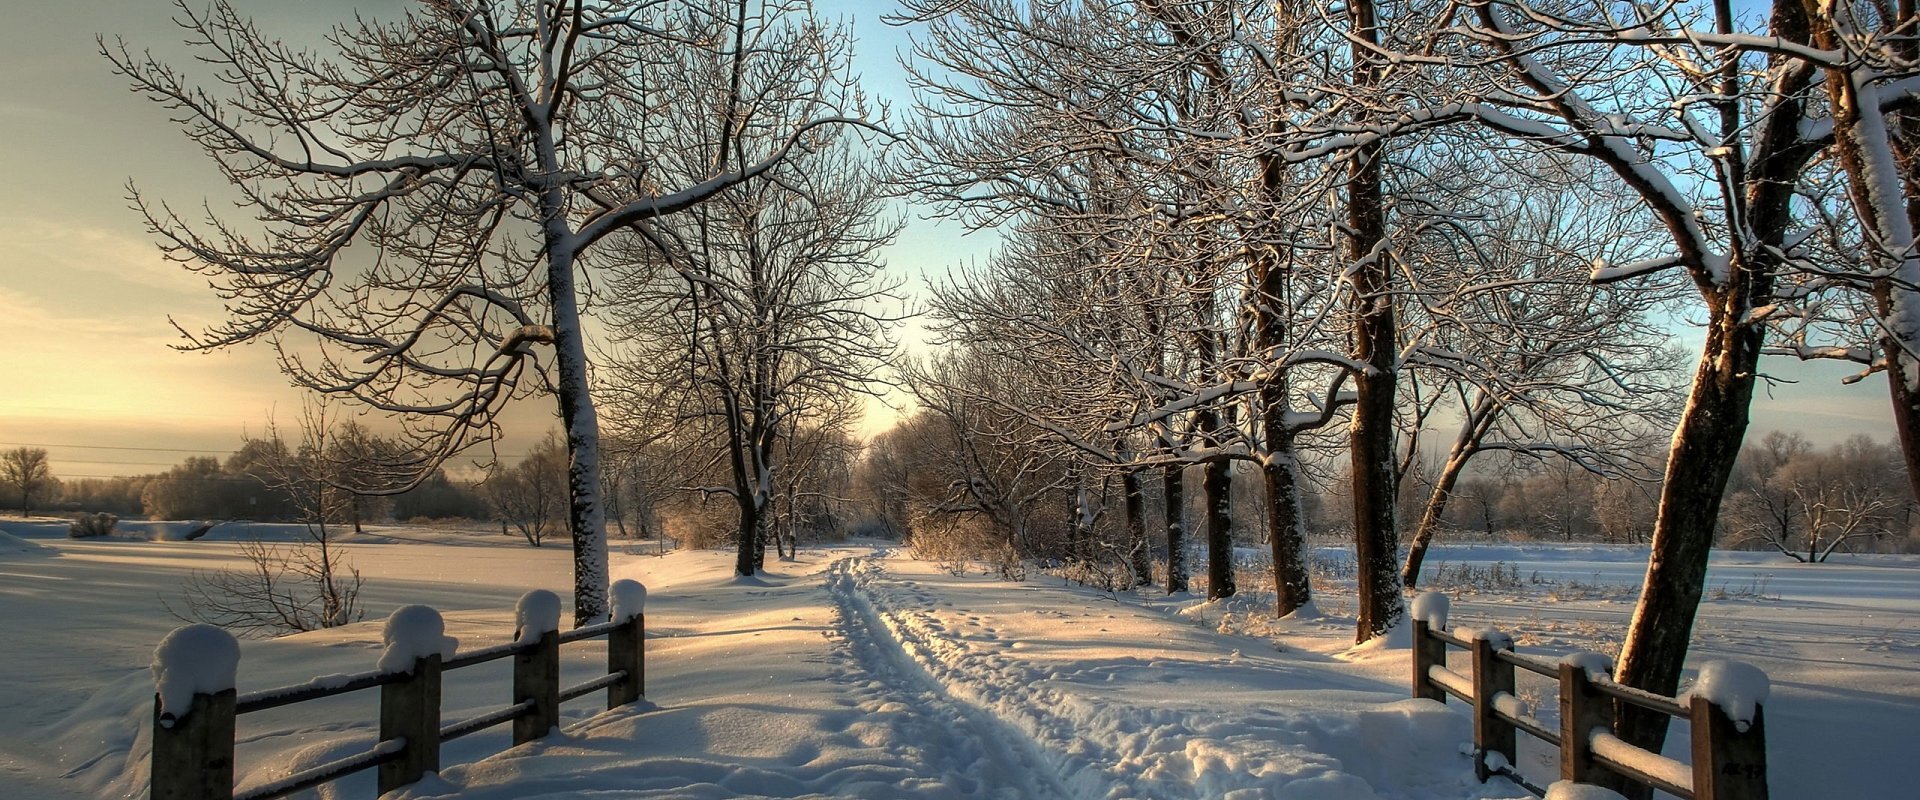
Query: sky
[[86, 302]]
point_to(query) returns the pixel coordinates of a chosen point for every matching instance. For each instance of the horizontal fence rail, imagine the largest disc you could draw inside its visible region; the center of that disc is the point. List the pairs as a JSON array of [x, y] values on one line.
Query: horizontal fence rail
[[193, 735], [1728, 756]]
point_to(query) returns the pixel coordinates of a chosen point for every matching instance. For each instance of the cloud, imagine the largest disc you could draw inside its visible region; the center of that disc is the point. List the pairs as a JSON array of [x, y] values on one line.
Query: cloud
[[51, 252]]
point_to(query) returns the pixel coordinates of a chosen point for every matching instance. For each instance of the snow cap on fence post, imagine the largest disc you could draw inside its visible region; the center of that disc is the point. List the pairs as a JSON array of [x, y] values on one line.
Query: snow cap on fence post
[[1735, 687], [413, 633], [1498, 639], [193, 659], [1598, 666], [629, 600], [1432, 608], [537, 615], [1568, 790]]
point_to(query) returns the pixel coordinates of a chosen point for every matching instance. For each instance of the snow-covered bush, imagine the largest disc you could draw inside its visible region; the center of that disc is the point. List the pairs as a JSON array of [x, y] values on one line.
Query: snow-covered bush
[[954, 542], [88, 526]]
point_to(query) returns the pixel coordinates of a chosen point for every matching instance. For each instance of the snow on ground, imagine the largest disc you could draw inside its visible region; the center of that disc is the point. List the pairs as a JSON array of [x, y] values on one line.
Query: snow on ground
[[857, 671], [1839, 642]]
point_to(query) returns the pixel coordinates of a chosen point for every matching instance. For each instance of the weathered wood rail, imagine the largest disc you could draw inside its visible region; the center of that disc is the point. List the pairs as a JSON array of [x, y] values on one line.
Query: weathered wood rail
[[193, 751], [1729, 757]]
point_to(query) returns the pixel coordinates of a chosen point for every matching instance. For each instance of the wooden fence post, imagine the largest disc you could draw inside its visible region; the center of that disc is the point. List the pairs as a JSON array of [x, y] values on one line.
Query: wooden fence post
[[1427, 652], [193, 754], [1491, 677], [626, 652], [410, 710], [1583, 709], [1728, 763], [536, 677]]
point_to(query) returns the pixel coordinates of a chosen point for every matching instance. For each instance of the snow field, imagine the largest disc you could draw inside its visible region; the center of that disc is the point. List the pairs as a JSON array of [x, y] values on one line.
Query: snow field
[[857, 672], [1839, 644]]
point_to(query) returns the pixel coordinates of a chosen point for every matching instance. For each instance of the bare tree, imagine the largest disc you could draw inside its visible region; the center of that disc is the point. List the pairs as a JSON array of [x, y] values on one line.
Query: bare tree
[[1535, 362], [1737, 116], [479, 153], [1808, 504], [761, 313], [532, 494], [309, 585], [26, 471]]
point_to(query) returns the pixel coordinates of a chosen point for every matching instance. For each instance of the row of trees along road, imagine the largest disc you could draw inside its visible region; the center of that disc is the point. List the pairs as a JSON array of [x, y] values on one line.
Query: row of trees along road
[[1234, 223], [1231, 225]]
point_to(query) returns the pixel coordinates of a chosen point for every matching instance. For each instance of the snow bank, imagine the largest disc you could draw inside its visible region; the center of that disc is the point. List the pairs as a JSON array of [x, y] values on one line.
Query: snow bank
[[1431, 608], [14, 545], [629, 599], [1568, 790], [413, 633], [1734, 687], [193, 659], [537, 615]]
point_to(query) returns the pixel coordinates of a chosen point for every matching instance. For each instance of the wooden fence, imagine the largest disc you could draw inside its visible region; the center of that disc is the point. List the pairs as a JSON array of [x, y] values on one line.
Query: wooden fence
[[1729, 761], [193, 753]]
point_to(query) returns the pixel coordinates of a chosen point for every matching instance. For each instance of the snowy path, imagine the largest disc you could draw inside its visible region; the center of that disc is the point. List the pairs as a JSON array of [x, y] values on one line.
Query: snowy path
[[861, 673], [987, 756], [1121, 704]]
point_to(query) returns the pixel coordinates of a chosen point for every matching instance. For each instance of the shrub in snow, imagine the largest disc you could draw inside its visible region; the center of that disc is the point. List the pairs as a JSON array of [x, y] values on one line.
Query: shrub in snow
[[629, 600], [87, 526], [193, 659], [413, 633], [1734, 687], [537, 615], [1432, 608], [306, 586]]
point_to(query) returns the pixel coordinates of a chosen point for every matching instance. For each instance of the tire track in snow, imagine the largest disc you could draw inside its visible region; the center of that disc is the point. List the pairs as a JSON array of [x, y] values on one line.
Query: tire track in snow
[[1015, 765]]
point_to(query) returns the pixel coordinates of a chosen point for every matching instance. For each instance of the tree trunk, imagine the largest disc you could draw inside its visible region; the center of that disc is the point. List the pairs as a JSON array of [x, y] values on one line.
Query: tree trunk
[[1707, 440], [1139, 551], [746, 536], [1472, 430], [1705, 446], [1217, 484], [1430, 521], [1175, 501], [582, 424], [1375, 343], [1903, 384], [1291, 585]]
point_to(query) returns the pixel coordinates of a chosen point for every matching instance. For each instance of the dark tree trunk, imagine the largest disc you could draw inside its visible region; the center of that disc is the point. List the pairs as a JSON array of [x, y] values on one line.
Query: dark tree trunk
[[1175, 501], [1707, 440], [1906, 409], [1282, 471], [1140, 553], [1430, 517], [1218, 486], [1465, 446], [1376, 344], [1705, 446], [747, 536]]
